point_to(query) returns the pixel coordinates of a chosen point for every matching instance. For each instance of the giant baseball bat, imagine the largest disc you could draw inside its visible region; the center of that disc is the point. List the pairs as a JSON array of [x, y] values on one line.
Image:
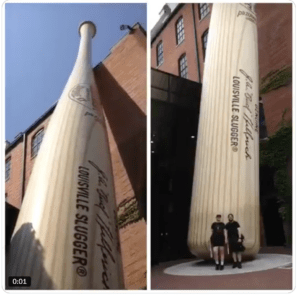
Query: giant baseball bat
[[226, 173], [66, 235]]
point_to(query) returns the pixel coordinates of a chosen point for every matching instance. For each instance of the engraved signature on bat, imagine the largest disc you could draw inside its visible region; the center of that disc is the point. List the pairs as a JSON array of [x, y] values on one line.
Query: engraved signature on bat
[[81, 93]]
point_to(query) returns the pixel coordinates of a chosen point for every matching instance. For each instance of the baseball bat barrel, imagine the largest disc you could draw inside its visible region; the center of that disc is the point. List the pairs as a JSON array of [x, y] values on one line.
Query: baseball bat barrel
[[226, 173], [66, 235]]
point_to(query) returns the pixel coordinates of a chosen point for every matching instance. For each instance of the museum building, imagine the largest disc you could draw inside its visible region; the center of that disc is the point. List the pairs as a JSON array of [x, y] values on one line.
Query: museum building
[[121, 81], [178, 47]]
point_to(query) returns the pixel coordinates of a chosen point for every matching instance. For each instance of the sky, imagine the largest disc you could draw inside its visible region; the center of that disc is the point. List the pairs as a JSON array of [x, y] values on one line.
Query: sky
[[41, 46]]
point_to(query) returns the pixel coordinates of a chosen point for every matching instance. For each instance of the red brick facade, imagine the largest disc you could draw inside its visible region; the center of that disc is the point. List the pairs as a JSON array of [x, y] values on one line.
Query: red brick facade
[[274, 28], [14, 185], [124, 103], [172, 51], [13, 188], [121, 81], [274, 23], [29, 158], [201, 26]]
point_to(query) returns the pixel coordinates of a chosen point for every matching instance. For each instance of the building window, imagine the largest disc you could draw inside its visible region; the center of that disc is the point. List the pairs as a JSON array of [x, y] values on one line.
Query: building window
[[204, 42], [36, 142], [263, 133], [160, 53], [7, 168], [183, 68], [203, 10], [180, 31]]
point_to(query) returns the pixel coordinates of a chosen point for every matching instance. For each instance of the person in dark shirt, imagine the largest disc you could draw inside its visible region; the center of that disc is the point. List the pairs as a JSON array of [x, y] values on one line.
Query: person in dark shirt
[[234, 237], [218, 239]]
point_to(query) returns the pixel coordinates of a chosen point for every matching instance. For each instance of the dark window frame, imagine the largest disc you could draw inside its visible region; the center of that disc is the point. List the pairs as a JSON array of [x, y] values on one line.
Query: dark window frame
[[36, 142], [183, 66], [262, 120], [160, 53], [203, 10], [179, 26], [7, 168], [204, 39]]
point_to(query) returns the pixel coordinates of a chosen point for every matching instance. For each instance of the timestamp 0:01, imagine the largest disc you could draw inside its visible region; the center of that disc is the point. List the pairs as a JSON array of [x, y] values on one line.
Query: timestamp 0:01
[[19, 281]]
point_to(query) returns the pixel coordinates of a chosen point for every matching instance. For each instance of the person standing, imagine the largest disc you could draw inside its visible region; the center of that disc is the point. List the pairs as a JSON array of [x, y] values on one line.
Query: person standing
[[234, 238], [218, 239]]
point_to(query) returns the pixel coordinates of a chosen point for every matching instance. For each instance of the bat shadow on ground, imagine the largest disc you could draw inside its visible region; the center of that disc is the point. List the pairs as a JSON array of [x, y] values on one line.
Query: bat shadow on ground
[[26, 258], [128, 125]]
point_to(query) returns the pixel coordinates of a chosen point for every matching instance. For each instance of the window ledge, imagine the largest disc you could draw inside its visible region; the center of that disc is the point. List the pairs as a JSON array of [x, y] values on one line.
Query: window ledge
[[200, 20], [159, 65], [34, 156], [177, 45]]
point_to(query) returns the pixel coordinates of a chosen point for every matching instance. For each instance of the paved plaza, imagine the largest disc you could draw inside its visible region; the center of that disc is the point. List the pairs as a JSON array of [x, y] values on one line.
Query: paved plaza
[[271, 270]]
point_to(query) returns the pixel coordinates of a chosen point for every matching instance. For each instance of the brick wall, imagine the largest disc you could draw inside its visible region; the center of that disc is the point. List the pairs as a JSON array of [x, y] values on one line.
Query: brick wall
[[133, 243], [13, 186], [201, 26], [121, 81], [172, 51], [29, 159], [274, 25]]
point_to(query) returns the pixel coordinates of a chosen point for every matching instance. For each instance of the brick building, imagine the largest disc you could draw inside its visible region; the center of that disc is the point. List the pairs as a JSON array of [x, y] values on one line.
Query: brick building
[[191, 23], [121, 80], [178, 44]]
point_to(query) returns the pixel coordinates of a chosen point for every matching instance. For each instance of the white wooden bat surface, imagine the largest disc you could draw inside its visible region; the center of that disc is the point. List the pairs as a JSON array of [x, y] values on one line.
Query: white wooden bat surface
[[226, 173], [66, 235]]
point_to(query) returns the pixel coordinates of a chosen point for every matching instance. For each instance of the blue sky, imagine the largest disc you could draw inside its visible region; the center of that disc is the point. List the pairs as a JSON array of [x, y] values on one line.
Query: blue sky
[[41, 45]]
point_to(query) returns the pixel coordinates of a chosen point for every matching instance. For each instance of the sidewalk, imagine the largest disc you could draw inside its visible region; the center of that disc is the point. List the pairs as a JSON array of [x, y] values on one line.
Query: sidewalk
[[196, 278]]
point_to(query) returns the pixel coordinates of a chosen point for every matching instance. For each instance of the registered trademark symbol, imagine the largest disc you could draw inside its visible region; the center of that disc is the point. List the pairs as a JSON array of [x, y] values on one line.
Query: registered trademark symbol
[[235, 149], [81, 271]]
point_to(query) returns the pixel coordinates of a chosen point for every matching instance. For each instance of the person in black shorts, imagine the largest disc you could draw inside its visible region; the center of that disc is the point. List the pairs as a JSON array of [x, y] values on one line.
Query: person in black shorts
[[234, 237], [218, 239]]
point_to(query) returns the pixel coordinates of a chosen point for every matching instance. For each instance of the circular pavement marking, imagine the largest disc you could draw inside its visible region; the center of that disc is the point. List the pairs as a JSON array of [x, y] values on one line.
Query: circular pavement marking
[[207, 268], [288, 266]]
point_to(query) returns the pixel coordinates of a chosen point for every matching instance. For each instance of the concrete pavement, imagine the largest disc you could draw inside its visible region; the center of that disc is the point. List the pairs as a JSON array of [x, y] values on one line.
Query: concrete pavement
[[203, 268], [272, 270]]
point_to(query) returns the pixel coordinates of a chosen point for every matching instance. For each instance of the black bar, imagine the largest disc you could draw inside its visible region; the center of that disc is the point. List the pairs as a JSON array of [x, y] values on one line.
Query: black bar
[[19, 281]]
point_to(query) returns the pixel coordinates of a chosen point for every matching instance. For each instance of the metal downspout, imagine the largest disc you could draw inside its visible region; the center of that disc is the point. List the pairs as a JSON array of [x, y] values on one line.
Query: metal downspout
[[196, 44], [23, 166]]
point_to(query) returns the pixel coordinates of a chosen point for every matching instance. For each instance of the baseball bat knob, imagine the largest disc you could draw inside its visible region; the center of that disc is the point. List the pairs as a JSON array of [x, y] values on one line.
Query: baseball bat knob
[[91, 24]]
